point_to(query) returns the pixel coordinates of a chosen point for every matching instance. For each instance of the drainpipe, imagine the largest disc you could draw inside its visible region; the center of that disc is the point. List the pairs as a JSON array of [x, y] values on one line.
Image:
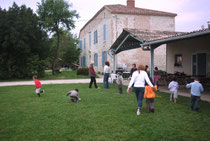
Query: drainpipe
[[114, 64], [152, 63]]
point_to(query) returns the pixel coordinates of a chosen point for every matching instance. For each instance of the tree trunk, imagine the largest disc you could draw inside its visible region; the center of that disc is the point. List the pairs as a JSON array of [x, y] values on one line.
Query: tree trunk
[[57, 52]]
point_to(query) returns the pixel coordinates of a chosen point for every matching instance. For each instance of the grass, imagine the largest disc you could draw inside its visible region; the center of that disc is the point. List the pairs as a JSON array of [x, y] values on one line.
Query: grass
[[101, 115], [49, 76]]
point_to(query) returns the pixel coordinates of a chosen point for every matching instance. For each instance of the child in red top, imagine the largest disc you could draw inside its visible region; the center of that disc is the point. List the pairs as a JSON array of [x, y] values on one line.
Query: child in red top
[[149, 94], [37, 85]]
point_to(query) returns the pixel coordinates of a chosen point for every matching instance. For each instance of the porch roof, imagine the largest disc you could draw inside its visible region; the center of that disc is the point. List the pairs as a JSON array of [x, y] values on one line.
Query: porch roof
[[139, 38]]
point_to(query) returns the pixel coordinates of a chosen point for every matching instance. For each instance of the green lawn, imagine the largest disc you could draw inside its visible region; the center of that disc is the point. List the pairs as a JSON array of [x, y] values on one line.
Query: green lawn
[[49, 76], [102, 115]]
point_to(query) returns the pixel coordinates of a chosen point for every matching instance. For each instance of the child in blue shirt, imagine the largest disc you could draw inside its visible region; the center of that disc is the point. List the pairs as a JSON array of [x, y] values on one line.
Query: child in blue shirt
[[196, 90]]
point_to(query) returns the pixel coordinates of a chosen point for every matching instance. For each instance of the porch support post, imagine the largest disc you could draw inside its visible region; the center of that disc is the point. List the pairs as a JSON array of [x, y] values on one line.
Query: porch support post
[[152, 63], [114, 63]]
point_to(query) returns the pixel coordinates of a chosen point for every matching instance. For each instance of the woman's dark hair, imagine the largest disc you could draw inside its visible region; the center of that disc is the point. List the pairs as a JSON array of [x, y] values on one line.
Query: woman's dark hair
[[134, 64], [140, 67], [107, 63], [156, 68], [77, 90]]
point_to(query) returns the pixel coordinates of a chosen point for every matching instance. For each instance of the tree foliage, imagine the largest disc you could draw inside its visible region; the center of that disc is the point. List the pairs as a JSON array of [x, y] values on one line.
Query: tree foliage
[[69, 52], [23, 44], [56, 16]]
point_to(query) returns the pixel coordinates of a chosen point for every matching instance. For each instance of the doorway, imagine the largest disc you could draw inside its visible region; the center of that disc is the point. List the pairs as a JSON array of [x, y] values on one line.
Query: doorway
[[201, 64]]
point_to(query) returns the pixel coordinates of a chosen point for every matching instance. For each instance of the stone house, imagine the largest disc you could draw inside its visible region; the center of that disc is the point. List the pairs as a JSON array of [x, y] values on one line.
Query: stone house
[[101, 31]]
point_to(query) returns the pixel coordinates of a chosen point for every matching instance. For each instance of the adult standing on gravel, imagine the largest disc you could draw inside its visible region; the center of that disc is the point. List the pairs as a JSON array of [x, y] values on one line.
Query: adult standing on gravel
[[138, 79]]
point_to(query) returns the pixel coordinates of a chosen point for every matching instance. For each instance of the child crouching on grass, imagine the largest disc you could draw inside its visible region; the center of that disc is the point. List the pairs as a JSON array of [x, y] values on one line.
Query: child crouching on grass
[[119, 82], [149, 94], [73, 95], [37, 85], [173, 87]]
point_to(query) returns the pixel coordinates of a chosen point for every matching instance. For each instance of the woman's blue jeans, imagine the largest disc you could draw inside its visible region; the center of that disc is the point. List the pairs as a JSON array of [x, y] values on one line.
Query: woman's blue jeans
[[106, 83], [139, 95]]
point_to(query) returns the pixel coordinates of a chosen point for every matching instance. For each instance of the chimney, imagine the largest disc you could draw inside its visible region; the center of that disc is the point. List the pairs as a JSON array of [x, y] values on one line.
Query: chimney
[[202, 27], [131, 3], [208, 24]]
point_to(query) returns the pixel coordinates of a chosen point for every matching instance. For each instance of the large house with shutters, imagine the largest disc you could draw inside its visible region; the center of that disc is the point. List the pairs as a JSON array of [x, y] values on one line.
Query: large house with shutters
[[101, 31]]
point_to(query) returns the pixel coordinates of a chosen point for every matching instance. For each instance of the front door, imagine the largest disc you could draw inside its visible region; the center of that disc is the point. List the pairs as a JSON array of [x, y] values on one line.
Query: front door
[[199, 64]]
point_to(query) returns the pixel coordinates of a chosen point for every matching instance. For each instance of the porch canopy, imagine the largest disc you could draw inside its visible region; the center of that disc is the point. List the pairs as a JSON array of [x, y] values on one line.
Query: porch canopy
[[136, 38], [149, 40]]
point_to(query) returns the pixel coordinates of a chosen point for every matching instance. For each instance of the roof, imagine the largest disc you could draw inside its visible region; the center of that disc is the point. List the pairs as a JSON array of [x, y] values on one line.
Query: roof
[[178, 36], [137, 38], [122, 9], [134, 38]]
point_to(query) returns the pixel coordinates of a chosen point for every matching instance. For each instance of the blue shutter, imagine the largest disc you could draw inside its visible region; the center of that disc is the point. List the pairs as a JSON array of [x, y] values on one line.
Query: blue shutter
[[105, 52], [84, 61], [96, 59], [90, 39], [104, 31], [96, 36], [84, 43], [81, 64], [80, 44]]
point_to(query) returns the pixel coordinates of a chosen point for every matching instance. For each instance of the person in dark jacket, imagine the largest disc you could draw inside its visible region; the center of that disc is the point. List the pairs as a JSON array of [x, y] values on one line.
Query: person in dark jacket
[[92, 75], [133, 69]]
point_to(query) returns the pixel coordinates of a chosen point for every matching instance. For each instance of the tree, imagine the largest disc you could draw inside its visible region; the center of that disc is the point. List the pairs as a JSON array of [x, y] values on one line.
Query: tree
[[23, 44], [55, 16], [69, 52]]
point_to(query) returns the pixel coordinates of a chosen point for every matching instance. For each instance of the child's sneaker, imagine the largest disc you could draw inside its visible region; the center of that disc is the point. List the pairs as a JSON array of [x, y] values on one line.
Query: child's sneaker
[[138, 113]]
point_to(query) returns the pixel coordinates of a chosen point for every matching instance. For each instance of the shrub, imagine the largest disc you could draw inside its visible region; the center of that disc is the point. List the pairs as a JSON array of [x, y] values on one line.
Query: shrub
[[83, 71]]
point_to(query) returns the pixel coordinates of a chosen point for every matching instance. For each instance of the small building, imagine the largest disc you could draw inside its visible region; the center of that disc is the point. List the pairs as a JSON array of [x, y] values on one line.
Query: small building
[[101, 31]]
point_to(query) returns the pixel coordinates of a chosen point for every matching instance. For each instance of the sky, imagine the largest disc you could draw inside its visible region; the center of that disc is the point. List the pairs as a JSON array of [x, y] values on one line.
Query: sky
[[191, 14]]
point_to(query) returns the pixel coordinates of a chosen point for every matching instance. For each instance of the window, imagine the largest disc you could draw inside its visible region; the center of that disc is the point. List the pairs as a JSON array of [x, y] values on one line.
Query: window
[[178, 60], [80, 44], [84, 43], [95, 37], [83, 61], [104, 57], [104, 32], [90, 39], [95, 59]]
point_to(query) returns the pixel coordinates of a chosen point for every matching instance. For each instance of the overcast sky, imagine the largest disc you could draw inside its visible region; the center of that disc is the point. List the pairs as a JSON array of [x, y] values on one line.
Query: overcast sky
[[192, 14]]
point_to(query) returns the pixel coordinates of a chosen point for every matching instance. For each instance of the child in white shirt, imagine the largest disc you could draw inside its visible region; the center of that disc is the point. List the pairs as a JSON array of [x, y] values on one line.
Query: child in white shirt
[[173, 87]]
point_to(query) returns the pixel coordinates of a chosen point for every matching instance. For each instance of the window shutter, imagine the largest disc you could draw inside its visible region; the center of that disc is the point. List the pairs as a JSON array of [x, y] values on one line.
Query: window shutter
[[104, 31]]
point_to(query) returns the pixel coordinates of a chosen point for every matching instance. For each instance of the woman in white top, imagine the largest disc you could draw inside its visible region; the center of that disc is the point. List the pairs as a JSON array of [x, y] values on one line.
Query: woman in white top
[[138, 79], [106, 74]]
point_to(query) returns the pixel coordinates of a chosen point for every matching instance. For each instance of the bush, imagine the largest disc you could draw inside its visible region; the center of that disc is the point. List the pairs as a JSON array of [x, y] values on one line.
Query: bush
[[83, 71]]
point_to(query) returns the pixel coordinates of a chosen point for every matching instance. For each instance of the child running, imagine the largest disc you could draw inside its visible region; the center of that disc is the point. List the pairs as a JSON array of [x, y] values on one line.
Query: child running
[[173, 87], [149, 94], [37, 85], [196, 90]]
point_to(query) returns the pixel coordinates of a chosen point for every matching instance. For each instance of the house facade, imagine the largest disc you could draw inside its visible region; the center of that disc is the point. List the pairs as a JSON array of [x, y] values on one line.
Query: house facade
[[191, 55], [101, 31]]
